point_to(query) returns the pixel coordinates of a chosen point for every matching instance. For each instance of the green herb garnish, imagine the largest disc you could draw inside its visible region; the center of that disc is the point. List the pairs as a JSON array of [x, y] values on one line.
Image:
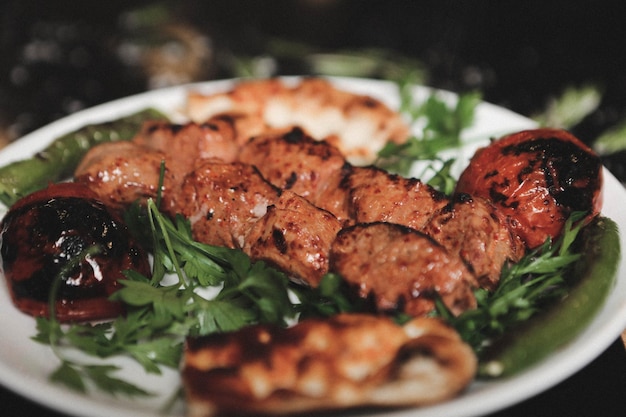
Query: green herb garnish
[[524, 289], [215, 289], [442, 129]]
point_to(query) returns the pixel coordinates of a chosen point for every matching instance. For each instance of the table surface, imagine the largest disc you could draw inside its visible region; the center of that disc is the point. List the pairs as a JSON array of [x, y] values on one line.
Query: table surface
[[519, 55]]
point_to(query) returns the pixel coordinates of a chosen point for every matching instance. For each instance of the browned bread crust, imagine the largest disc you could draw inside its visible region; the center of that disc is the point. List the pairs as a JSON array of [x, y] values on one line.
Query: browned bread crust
[[349, 360]]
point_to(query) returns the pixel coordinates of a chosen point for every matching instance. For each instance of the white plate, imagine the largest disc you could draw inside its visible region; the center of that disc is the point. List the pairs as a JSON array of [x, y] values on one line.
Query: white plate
[[25, 365]]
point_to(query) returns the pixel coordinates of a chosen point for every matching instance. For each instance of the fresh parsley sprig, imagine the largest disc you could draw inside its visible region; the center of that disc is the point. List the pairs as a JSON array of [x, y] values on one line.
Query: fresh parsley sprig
[[73, 375], [160, 315], [442, 127], [89, 338]]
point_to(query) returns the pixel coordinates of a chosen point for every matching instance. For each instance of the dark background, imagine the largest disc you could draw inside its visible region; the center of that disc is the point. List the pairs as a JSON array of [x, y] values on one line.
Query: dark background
[[58, 57]]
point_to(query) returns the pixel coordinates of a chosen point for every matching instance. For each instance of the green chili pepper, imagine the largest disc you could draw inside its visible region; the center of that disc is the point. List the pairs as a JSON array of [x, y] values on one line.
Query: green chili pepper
[[593, 276], [62, 156]]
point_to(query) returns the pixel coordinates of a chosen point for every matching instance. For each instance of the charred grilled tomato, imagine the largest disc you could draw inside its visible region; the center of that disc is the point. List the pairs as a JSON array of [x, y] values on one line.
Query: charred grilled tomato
[[65, 233], [536, 178]]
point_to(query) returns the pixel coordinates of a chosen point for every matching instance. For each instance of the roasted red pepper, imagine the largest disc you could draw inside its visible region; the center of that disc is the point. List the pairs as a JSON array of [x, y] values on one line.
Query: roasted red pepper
[[47, 236]]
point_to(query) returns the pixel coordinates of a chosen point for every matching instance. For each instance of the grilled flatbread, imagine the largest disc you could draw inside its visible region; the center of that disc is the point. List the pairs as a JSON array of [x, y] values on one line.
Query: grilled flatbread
[[347, 361]]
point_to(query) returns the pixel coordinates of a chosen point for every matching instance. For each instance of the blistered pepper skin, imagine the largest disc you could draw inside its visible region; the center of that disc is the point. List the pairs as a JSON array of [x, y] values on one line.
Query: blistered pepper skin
[[536, 178], [63, 233]]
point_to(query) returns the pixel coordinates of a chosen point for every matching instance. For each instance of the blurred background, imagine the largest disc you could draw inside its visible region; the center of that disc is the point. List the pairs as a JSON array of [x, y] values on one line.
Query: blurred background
[[557, 61], [62, 56]]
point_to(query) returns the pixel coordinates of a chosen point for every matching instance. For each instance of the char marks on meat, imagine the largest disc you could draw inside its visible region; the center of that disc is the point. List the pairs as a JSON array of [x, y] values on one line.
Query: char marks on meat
[[295, 236], [281, 172], [472, 228], [187, 142], [222, 201], [401, 268], [283, 194], [121, 173], [295, 161], [374, 195]]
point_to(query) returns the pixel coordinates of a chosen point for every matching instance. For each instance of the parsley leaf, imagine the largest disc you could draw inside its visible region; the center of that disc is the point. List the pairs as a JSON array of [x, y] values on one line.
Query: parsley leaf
[[69, 376], [332, 296], [442, 127], [74, 375]]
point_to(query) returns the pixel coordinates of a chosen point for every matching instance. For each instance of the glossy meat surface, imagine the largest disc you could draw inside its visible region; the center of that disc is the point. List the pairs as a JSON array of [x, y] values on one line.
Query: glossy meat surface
[[222, 201], [120, 173], [123, 172], [296, 162], [470, 227], [184, 143], [375, 195], [401, 269], [295, 236]]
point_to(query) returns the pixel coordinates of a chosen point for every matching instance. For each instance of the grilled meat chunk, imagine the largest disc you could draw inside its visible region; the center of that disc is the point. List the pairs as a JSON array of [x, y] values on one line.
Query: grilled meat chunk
[[184, 143], [378, 196], [295, 236], [120, 173], [222, 201], [471, 228], [338, 363], [295, 161], [401, 269]]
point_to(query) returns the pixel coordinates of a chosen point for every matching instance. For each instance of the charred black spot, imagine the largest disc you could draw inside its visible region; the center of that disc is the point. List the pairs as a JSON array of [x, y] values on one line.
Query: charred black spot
[[227, 118], [571, 173], [346, 170], [279, 240], [409, 352], [370, 102], [525, 171], [448, 208], [437, 195], [175, 128], [153, 127], [210, 126], [294, 136], [497, 197], [463, 198], [291, 181]]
